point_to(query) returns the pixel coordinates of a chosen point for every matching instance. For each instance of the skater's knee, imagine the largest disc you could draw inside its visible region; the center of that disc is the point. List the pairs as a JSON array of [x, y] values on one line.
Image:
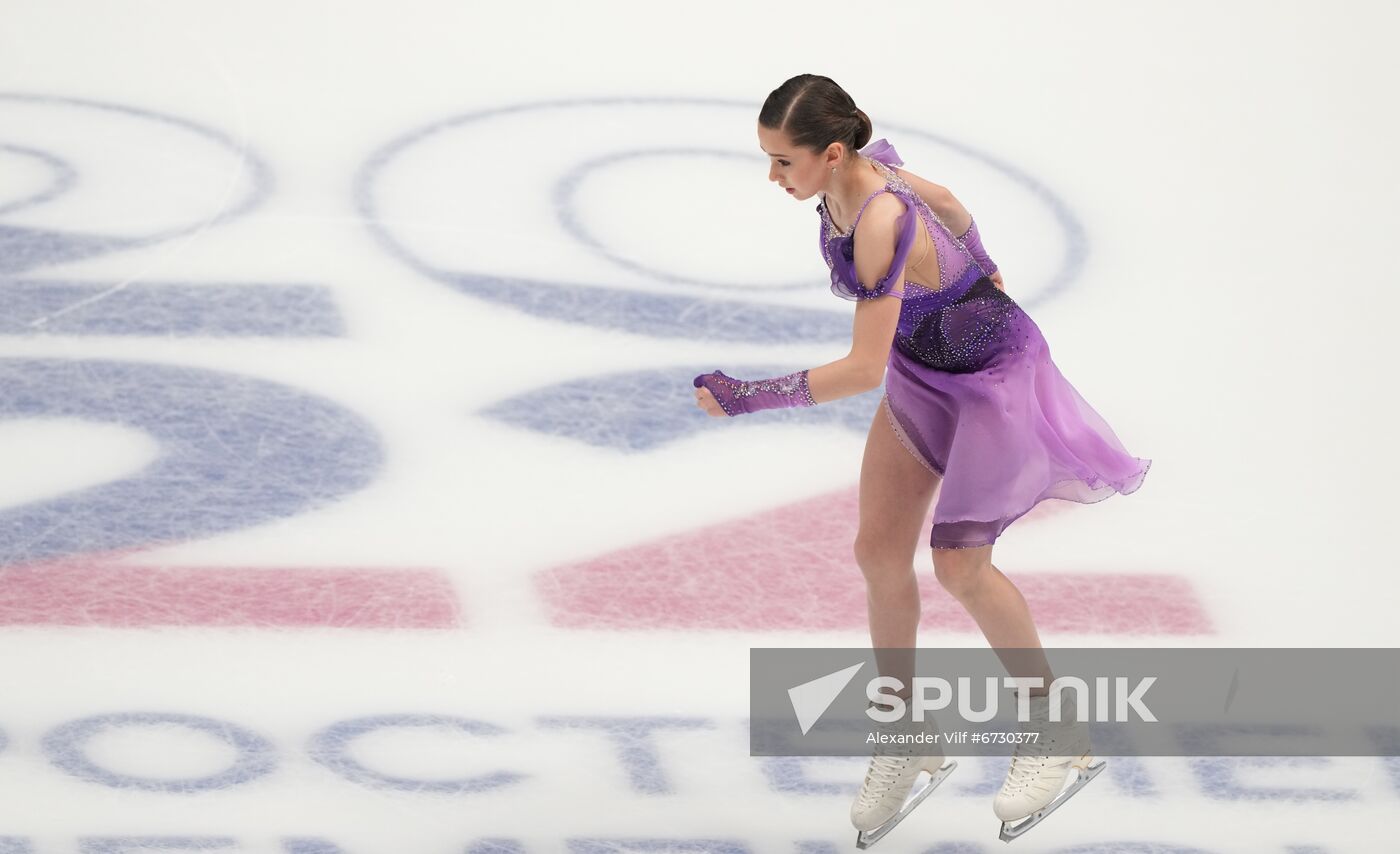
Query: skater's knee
[[881, 563], [960, 571]]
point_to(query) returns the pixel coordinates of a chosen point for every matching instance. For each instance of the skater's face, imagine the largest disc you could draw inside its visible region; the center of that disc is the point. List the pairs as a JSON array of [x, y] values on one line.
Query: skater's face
[[799, 171]]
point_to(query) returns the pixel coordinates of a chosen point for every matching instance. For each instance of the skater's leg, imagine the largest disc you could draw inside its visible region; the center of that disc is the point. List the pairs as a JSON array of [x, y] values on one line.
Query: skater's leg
[[895, 493], [1039, 768], [997, 606]]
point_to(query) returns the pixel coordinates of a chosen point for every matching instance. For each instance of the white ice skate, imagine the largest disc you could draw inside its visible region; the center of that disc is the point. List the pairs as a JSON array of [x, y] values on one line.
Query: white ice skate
[[881, 803], [1034, 785]]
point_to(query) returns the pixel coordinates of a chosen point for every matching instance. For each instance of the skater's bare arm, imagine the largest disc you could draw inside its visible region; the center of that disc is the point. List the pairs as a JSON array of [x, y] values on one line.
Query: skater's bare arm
[[872, 331], [863, 368], [875, 319], [838, 379], [941, 199]]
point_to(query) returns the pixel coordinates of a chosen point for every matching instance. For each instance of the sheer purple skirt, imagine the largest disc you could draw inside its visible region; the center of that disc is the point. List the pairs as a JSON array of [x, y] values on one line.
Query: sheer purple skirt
[[1004, 436]]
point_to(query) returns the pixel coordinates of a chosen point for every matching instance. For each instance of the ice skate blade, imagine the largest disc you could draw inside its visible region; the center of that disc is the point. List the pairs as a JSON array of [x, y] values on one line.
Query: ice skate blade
[[867, 838], [1082, 776]]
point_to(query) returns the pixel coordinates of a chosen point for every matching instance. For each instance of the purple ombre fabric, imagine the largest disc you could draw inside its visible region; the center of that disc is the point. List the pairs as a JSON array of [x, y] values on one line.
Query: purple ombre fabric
[[970, 387]]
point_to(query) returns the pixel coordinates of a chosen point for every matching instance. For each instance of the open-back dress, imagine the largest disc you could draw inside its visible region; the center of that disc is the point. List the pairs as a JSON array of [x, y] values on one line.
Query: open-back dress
[[970, 388]]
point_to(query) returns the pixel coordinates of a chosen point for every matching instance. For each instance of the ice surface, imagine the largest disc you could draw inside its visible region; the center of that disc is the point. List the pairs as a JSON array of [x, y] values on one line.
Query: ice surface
[[353, 496]]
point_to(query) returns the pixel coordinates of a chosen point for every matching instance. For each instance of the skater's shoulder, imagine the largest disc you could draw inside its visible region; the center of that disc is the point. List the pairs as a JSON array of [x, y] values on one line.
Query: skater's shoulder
[[940, 200], [880, 212], [877, 228], [936, 196]]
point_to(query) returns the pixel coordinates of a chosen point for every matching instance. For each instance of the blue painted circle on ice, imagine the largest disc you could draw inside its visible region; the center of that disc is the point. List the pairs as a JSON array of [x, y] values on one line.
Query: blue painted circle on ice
[[29, 248], [563, 195], [671, 315], [63, 177]]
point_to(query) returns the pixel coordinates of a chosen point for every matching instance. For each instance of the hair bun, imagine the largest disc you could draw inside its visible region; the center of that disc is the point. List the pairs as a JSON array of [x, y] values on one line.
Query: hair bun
[[815, 112], [865, 129]]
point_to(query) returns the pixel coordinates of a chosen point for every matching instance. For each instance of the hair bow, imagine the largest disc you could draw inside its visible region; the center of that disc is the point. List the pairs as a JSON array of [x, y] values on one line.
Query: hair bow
[[882, 151]]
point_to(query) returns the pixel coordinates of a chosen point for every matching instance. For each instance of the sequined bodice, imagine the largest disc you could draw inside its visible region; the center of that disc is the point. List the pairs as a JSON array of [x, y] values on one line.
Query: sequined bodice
[[954, 262], [949, 327]]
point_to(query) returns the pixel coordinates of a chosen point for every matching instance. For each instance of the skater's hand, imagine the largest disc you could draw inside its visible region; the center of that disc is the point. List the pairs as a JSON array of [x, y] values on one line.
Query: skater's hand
[[722, 396], [996, 280], [706, 401]]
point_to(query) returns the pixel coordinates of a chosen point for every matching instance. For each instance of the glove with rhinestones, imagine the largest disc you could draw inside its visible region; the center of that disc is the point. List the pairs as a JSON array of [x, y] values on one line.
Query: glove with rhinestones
[[737, 397], [972, 239]]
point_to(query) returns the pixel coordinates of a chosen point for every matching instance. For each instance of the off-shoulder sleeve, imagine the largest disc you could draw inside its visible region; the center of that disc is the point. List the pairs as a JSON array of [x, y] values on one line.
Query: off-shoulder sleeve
[[844, 282]]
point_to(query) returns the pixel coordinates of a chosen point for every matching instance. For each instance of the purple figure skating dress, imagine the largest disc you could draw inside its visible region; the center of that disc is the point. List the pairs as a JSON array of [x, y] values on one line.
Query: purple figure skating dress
[[970, 388]]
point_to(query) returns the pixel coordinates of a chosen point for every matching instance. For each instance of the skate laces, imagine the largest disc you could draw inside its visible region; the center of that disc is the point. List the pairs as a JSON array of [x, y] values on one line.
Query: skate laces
[[1029, 758], [884, 772]]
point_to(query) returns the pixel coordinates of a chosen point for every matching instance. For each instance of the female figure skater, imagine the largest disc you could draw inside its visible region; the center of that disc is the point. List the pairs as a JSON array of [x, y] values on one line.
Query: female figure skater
[[972, 401]]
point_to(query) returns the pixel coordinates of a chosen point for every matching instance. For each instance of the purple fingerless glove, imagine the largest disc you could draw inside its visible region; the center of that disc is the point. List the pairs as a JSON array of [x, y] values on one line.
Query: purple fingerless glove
[[737, 397], [972, 239]]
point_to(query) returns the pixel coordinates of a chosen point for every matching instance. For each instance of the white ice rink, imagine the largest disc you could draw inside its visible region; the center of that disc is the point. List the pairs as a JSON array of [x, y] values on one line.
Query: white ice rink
[[354, 500]]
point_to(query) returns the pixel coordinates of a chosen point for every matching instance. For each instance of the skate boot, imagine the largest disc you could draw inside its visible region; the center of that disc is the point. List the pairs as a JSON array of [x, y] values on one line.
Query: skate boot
[[882, 801], [1035, 783]]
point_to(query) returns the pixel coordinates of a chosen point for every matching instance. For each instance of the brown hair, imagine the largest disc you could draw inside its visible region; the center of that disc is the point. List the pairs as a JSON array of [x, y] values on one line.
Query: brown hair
[[814, 112]]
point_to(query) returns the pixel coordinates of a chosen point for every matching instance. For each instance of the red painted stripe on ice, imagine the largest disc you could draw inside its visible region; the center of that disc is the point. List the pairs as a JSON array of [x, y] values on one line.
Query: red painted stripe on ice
[[95, 592], [792, 569]]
